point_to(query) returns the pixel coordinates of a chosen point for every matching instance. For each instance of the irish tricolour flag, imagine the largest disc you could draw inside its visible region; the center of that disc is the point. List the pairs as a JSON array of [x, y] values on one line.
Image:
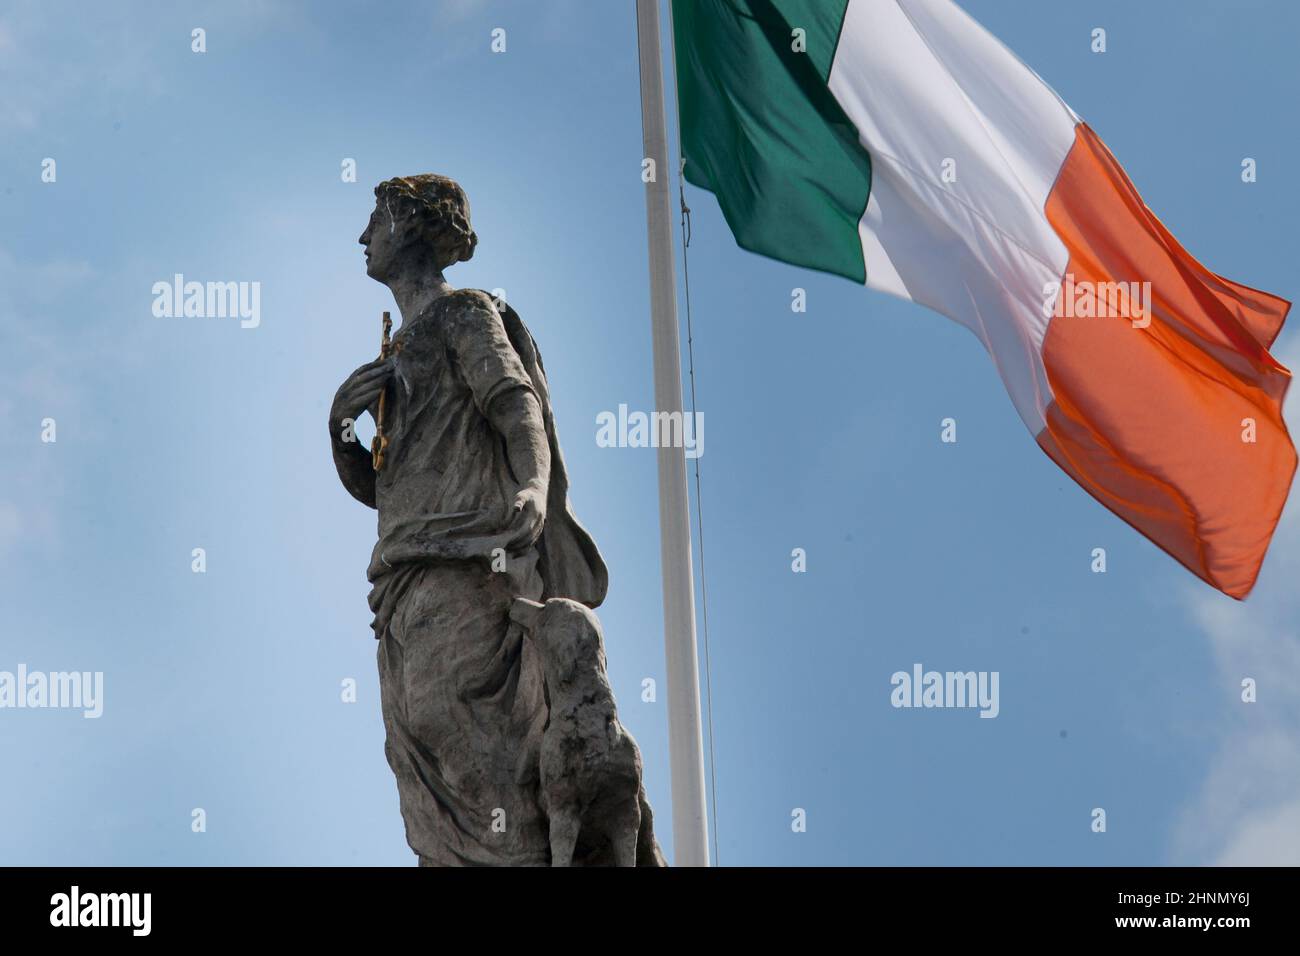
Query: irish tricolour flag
[[899, 144]]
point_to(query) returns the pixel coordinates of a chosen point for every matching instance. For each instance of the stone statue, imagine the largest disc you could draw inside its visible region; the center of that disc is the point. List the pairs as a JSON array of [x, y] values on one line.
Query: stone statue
[[500, 726]]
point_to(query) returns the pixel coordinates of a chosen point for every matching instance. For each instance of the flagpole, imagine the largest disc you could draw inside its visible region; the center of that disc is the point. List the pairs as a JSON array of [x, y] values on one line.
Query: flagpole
[[685, 735]]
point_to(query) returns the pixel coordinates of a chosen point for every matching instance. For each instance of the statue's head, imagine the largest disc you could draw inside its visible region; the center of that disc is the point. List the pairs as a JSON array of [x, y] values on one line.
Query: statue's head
[[417, 219]]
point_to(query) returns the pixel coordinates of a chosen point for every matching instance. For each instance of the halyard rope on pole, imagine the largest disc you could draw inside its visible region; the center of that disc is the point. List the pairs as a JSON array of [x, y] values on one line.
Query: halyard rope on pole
[[699, 496]]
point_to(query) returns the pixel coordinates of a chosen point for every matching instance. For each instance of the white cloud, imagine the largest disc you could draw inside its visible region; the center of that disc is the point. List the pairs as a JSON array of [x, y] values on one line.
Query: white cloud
[[1268, 838]]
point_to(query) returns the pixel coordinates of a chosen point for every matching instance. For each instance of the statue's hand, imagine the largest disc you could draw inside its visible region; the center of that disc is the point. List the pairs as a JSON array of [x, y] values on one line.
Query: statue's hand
[[359, 392], [527, 517]]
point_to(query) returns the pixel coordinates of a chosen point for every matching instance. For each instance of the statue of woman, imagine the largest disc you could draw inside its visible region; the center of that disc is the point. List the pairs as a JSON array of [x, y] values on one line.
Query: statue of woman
[[473, 509]]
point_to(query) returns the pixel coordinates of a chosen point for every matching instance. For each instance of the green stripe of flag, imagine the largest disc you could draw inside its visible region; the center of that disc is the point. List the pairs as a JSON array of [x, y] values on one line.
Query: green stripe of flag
[[762, 131]]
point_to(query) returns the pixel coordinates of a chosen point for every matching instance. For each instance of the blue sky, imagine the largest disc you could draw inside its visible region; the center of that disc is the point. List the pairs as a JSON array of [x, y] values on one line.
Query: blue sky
[[222, 690]]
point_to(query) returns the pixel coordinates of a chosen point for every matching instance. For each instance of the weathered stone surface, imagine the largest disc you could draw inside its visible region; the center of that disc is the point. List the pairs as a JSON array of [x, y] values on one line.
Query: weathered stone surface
[[591, 789], [501, 728]]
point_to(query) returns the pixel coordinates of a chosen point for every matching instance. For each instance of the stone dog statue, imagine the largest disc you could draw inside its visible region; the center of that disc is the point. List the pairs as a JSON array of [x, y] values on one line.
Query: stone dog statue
[[591, 788]]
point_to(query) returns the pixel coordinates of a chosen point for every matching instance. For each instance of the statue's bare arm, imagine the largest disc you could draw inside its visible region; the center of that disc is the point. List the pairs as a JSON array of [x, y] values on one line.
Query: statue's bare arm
[[504, 393], [351, 460], [517, 417]]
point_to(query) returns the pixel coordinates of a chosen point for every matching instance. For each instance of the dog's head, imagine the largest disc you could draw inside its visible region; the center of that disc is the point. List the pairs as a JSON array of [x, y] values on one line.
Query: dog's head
[[569, 638]]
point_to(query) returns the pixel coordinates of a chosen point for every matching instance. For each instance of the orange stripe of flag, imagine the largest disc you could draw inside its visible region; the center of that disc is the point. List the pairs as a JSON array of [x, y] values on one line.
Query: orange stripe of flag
[[1151, 420]]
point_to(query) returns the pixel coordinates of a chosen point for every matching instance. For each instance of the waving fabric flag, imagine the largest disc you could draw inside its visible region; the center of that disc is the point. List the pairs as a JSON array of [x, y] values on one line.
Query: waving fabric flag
[[899, 144]]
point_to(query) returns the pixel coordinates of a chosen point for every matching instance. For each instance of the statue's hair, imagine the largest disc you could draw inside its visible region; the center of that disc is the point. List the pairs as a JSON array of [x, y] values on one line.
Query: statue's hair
[[438, 208]]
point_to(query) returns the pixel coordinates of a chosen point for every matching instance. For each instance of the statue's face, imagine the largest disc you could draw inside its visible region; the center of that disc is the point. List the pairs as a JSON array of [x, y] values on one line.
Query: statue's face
[[380, 239]]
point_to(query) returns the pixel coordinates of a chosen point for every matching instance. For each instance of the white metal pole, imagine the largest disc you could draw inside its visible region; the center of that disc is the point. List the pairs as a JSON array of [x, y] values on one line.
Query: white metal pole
[[685, 736]]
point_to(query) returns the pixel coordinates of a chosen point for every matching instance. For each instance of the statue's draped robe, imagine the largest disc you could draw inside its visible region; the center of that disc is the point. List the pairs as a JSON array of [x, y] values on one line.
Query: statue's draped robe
[[461, 689]]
